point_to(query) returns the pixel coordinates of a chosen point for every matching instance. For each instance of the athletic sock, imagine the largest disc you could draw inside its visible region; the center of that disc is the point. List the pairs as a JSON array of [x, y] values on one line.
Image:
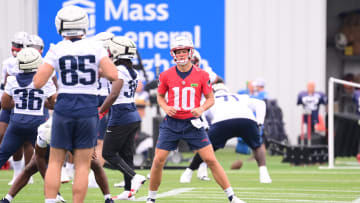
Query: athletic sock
[[107, 196], [229, 192], [152, 194], [17, 167], [8, 197]]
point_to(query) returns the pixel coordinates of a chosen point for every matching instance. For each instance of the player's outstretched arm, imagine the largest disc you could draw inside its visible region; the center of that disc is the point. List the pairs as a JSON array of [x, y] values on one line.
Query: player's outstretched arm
[[108, 69], [110, 99], [42, 75]]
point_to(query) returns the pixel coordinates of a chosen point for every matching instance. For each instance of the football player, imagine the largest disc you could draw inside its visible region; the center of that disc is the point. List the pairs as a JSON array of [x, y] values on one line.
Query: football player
[[311, 101], [232, 116], [75, 117], [184, 85], [18, 42], [196, 60], [124, 121], [27, 102]]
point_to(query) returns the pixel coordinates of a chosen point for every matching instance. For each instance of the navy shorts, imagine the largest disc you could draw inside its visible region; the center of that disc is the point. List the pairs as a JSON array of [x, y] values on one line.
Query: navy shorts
[[5, 115], [173, 130], [247, 129], [15, 136], [73, 133]]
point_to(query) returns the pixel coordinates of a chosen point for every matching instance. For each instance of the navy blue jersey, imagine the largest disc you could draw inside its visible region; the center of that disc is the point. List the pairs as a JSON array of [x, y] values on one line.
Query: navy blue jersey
[[311, 103]]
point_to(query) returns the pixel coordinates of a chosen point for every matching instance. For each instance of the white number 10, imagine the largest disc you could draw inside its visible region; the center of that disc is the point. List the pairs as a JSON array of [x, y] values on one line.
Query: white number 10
[[184, 95]]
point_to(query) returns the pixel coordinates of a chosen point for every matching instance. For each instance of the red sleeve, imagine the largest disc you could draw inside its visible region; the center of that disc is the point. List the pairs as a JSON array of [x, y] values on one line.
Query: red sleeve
[[162, 84], [206, 84]]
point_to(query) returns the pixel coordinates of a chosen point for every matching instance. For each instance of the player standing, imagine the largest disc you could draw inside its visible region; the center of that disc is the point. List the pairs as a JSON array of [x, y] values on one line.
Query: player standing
[[75, 118], [184, 84]]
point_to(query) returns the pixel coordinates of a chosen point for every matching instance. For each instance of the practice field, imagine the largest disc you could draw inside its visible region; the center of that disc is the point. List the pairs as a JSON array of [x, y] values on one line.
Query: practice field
[[290, 184]]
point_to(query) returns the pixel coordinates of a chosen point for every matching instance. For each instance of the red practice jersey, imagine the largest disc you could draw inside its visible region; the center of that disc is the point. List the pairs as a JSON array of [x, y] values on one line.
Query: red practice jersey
[[184, 94]]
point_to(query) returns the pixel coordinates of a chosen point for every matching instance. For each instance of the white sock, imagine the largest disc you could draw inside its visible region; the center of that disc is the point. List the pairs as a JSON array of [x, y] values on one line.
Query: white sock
[[8, 197], [50, 200], [229, 191], [69, 165], [152, 194], [203, 164], [263, 169], [107, 196], [17, 167]]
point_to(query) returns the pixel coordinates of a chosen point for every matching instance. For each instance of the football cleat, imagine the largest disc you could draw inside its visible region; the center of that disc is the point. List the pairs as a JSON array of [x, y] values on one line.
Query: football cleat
[[59, 198], [137, 181], [109, 201], [186, 176], [3, 200], [149, 200], [236, 200], [126, 195]]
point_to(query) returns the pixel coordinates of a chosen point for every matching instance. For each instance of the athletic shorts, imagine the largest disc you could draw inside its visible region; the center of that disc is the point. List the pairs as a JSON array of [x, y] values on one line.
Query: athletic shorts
[[73, 133], [15, 136], [173, 130], [5, 115], [220, 132]]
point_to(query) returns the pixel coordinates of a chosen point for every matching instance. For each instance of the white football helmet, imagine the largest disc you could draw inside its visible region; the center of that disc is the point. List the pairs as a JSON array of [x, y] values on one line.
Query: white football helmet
[[196, 58], [36, 42], [181, 42], [220, 87], [72, 21], [29, 59], [121, 48], [18, 42], [105, 37]]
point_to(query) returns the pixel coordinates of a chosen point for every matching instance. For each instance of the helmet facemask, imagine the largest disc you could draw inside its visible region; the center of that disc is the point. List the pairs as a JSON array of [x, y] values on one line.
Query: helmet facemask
[[181, 43]]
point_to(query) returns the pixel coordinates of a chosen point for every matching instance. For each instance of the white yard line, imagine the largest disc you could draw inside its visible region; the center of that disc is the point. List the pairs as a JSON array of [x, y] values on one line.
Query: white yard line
[[167, 194], [280, 189], [356, 200]]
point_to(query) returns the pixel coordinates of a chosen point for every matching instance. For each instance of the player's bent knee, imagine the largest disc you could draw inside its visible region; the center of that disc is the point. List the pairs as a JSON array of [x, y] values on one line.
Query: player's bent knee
[[211, 161]]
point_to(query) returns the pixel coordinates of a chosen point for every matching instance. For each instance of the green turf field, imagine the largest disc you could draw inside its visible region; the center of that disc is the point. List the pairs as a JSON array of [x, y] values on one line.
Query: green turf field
[[290, 184]]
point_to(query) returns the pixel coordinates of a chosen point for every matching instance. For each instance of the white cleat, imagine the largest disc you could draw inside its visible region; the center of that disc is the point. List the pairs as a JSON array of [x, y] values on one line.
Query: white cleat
[[186, 176], [121, 184], [136, 182], [265, 178], [126, 195], [236, 200], [202, 173], [59, 198]]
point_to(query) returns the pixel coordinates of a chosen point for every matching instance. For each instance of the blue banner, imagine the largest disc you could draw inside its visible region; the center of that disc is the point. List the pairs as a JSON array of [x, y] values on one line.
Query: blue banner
[[151, 24]]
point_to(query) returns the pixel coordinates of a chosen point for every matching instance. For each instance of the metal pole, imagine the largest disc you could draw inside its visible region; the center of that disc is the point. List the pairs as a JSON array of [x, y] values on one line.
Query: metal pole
[[331, 124]]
